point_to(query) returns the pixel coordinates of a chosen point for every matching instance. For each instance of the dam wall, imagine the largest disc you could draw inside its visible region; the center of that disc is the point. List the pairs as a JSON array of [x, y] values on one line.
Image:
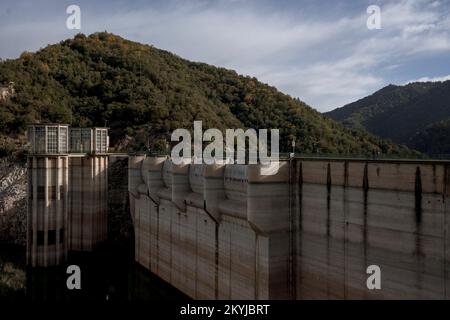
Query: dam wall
[[352, 214], [208, 229], [308, 232]]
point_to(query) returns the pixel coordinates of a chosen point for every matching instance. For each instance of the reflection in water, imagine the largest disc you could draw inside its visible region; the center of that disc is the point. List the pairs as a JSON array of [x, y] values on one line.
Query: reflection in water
[[12, 272], [107, 274]]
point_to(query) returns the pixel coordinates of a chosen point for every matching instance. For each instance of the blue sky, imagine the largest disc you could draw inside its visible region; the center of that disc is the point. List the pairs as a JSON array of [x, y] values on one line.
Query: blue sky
[[319, 51]]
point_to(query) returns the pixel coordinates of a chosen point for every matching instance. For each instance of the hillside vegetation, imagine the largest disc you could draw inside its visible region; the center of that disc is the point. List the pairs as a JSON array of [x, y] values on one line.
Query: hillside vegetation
[[140, 91], [417, 115]]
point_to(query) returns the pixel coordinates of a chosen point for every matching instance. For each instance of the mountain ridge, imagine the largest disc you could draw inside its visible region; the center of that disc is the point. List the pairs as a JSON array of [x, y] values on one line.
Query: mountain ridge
[[143, 94], [400, 113]]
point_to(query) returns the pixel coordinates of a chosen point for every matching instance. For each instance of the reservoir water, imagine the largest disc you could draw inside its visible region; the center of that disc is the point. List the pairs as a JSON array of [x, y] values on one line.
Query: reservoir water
[[109, 273]]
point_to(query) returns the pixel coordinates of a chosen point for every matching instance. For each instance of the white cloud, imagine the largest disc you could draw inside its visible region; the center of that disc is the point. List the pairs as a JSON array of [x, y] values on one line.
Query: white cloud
[[326, 63], [431, 79], [327, 60], [435, 4]]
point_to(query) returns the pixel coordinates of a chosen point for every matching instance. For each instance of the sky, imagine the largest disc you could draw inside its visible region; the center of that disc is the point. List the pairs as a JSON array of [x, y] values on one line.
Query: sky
[[319, 51]]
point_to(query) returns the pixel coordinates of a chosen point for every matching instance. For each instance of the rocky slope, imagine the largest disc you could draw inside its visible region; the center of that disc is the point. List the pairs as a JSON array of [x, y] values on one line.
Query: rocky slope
[[13, 203]]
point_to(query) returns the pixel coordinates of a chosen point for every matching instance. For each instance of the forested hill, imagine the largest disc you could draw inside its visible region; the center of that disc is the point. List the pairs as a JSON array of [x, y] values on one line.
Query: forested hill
[[417, 114], [136, 89]]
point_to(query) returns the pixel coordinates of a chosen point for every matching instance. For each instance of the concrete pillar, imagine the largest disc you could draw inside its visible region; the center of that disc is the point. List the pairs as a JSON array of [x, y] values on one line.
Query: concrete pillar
[[134, 173], [88, 201], [180, 185], [46, 219], [213, 188], [268, 212], [155, 176]]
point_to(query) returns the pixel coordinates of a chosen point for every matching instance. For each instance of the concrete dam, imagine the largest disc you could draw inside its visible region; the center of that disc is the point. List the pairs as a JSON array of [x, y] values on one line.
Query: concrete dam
[[308, 232], [227, 231]]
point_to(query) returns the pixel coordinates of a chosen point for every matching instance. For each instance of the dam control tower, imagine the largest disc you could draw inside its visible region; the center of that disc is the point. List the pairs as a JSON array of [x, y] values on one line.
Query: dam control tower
[[67, 191], [48, 181]]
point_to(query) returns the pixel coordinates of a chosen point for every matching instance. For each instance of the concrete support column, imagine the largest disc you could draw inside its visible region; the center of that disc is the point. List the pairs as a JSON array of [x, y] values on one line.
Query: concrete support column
[[154, 166], [180, 185], [269, 213], [59, 217], [213, 188], [46, 209], [66, 187]]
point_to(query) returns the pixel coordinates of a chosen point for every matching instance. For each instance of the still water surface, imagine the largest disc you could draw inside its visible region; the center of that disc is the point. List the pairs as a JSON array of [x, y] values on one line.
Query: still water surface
[[109, 273]]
